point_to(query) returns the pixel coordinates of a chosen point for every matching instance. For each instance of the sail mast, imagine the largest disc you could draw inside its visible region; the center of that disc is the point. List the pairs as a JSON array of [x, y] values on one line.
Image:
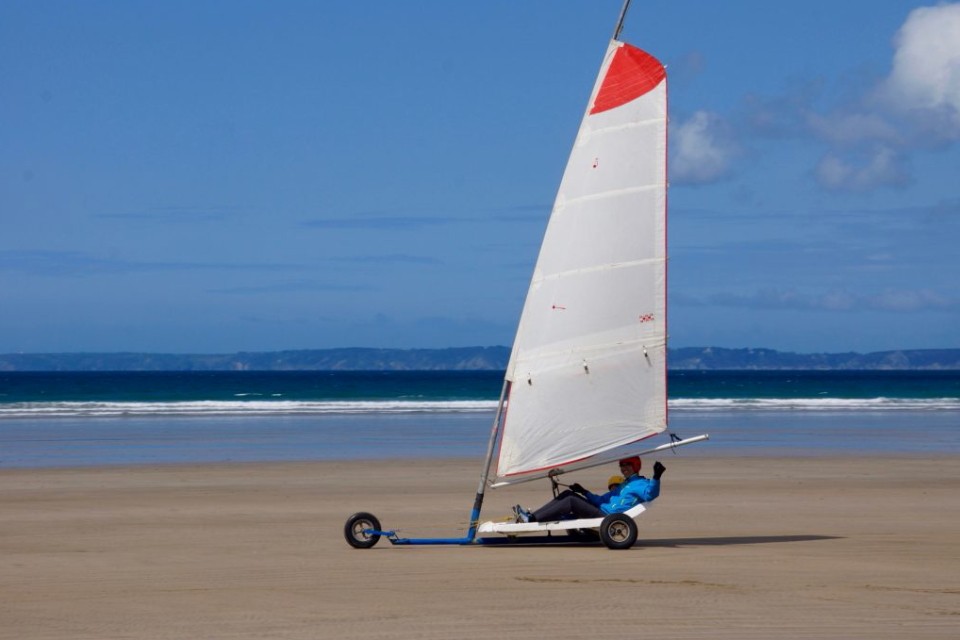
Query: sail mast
[[623, 16], [488, 461]]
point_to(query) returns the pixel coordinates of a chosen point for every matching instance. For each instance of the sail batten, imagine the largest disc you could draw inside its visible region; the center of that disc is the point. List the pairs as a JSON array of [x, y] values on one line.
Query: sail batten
[[602, 267], [588, 366], [595, 131], [612, 193], [599, 348]]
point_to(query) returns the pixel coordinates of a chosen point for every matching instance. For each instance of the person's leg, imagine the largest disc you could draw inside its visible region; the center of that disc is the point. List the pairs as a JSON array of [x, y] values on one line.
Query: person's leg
[[560, 496], [562, 505]]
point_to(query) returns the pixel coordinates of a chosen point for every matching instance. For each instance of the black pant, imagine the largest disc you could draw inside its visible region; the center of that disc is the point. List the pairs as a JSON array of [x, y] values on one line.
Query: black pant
[[567, 503]]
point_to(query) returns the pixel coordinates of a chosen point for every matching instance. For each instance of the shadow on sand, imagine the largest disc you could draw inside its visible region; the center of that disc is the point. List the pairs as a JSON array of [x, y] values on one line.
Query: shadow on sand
[[669, 543], [730, 541]]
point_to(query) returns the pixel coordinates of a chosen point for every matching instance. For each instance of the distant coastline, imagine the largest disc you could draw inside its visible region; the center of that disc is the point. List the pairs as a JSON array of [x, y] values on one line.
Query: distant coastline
[[467, 359]]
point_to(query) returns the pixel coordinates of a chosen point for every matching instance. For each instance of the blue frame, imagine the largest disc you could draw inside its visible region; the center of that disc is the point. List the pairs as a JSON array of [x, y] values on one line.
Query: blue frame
[[470, 538]]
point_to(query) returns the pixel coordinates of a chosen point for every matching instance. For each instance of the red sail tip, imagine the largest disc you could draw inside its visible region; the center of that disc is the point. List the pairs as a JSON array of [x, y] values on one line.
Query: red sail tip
[[632, 73]]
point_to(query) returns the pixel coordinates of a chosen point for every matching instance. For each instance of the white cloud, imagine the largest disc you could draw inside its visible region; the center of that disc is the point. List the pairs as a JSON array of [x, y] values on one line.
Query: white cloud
[[868, 141], [926, 65], [880, 166], [702, 149], [917, 106]]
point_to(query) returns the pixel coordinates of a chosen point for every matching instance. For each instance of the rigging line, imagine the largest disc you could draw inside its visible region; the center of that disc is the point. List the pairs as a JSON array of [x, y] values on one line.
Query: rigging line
[[675, 438]]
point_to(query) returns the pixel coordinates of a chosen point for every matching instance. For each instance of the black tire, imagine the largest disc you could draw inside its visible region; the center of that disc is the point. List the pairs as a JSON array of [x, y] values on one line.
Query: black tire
[[355, 530], [618, 531]]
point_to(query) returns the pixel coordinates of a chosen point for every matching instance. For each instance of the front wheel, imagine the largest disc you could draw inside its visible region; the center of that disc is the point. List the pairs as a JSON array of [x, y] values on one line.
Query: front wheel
[[618, 531], [357, 530]]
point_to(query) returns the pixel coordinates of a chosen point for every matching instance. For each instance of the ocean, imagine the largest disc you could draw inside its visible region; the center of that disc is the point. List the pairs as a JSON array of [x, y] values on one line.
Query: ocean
[[50, 419]]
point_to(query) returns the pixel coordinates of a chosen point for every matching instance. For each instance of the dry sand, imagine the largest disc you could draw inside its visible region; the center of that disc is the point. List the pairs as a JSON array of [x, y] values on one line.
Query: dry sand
[[734, 548]]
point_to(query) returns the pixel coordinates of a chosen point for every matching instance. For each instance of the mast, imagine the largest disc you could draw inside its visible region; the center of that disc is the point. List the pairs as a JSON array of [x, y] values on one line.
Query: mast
[[623, 16], [488, 461]]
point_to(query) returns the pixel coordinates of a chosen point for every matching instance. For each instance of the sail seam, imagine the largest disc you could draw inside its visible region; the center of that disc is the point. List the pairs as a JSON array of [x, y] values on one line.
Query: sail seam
[[606, 194], [603, 267], [651, 344], [625, 126]]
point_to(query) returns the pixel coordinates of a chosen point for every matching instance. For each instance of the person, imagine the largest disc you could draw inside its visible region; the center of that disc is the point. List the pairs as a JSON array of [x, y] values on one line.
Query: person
[[613, 482], [577, 502]]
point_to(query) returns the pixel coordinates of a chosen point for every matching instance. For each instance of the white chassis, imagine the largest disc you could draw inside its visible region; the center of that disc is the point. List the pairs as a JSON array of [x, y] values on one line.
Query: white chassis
[[520, 528]]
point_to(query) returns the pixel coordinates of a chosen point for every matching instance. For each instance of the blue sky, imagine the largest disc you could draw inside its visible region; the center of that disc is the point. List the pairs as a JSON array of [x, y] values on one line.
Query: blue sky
[[225, 176]]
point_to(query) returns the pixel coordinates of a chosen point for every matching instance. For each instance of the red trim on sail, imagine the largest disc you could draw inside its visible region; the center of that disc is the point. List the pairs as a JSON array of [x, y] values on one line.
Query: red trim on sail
[[632, 73]]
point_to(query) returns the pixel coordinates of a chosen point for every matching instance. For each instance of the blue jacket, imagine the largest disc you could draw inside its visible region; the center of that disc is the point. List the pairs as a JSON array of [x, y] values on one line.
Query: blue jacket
[[633, 490]]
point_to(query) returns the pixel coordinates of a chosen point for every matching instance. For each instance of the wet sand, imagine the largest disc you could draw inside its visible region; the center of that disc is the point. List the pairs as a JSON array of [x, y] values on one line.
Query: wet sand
[[825, 547]]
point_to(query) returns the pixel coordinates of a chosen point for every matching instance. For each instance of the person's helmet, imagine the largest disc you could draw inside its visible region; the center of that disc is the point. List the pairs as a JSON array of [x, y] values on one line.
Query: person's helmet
[[634, 462], [614, 480]]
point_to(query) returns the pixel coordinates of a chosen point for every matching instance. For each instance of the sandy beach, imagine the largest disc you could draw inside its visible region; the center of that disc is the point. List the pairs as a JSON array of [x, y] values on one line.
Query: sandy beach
[[825, 547]]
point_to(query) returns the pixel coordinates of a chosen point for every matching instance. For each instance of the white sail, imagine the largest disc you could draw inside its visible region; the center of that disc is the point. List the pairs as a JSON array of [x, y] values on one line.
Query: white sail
[[588, 369]]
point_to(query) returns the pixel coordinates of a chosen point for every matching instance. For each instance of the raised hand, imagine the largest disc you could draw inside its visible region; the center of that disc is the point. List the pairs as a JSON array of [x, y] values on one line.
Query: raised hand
[[658, 470]]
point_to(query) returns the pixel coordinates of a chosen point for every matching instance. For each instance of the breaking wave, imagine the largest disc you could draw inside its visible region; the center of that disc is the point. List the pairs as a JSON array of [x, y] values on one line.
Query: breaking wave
[[284, 407], [815, 404], [236, 408]]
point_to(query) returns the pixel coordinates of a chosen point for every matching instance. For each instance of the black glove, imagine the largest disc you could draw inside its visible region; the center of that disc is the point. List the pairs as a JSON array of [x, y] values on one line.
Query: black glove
[[576, 487], [658, 470]]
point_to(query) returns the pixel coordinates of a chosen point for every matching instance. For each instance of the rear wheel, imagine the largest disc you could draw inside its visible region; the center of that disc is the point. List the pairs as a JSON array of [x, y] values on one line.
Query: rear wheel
[[618, 531], [357, 530]]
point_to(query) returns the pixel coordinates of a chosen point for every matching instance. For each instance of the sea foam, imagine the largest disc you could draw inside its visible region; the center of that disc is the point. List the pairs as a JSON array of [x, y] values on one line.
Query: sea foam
[[815, 404], [298, 407], [237, 408]]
